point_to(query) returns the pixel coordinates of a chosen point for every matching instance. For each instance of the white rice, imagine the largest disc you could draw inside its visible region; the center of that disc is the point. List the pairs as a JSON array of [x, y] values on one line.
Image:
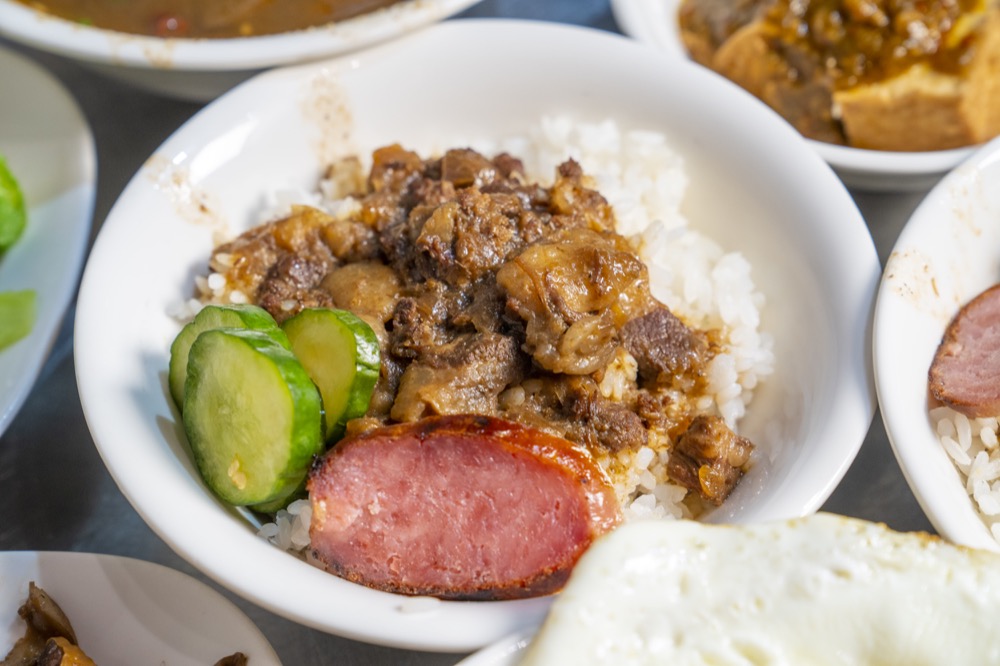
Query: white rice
[[644, 180], [972, 444]]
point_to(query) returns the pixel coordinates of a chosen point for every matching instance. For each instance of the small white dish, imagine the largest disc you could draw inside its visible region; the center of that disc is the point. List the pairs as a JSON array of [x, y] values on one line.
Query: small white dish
[[127, 611], [783, 208], [654, 22], [948, 252], [202, 69], [49, 149]]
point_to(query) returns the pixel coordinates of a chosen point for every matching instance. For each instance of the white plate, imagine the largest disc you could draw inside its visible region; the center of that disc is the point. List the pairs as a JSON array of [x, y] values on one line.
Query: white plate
[[127, 611], [281, 128], [50, 150], [948, 252], [654, 22]]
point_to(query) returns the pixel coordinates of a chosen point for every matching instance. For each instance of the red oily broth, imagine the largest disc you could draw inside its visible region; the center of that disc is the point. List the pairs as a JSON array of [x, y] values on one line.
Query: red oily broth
[[206, 18]]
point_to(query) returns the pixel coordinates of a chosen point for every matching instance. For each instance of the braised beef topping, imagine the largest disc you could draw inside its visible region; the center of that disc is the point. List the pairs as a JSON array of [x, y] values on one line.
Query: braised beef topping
[[494, 296], [464, 376], [574, 290], [663, 346], [709, 458]]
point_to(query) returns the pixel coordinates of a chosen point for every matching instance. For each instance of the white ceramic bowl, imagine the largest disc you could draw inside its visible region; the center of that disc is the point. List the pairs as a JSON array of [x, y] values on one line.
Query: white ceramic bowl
[[654, 22], [948, 252], [761, 191], [127, 611], [202, 69]]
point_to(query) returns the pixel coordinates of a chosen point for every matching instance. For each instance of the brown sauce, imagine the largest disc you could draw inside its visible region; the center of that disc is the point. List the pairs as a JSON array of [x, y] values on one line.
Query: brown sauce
[[206, 18], [861, 41], [798, 56]]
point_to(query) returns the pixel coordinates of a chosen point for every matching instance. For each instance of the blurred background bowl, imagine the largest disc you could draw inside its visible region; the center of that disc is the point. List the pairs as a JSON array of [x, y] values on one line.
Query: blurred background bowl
[[754, 186], [202, 69], [948, 252], [654, 22]]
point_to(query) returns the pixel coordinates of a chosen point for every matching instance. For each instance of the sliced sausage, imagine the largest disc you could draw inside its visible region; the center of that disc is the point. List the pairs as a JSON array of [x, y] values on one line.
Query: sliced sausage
[[966, 367], [458, 507]]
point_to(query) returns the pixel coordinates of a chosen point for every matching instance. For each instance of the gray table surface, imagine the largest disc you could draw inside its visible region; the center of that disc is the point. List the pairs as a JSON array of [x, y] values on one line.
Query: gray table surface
[[55, 493]]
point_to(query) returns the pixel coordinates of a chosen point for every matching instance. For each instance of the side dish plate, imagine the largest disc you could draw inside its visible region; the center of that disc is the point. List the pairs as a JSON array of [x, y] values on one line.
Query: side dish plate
[[448, 85], [654, 22], [49, 148], [127, 611]]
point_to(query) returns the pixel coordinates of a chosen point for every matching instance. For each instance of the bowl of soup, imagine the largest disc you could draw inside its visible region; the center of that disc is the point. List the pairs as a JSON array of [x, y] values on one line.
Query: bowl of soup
[[196, 50]]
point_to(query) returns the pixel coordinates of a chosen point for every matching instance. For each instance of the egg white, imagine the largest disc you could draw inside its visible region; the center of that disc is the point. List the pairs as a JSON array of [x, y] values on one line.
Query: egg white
[[812, 591]]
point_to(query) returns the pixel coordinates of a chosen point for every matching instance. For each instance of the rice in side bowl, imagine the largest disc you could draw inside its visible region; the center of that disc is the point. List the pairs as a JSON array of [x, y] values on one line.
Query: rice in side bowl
[[644, 181], [974, 448]]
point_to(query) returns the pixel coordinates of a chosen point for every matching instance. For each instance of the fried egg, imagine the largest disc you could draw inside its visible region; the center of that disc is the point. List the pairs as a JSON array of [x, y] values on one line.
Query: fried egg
[[811, 591]]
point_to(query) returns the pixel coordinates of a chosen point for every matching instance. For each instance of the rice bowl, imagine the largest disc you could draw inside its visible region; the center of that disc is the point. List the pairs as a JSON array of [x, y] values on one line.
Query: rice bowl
[[207, 183], [945, 256]]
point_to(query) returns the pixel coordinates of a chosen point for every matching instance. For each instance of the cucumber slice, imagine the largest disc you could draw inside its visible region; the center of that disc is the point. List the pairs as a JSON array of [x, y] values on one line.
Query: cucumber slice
[[13, 212], [17, 315], [215, 316], [341, 354], [252, 416]]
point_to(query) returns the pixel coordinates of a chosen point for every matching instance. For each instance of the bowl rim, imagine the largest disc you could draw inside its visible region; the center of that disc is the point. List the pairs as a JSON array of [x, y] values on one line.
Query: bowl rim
[[854, 397], [35, 28]]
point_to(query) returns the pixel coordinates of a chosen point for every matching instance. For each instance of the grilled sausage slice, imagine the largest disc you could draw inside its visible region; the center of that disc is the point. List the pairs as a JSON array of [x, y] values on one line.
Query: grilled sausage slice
[[458, 507], [965, 373]]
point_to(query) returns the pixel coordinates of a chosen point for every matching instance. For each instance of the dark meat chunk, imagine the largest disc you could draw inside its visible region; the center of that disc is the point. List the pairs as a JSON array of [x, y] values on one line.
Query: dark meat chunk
[[464, 376], [572, 197], [462, 507], [280, 264], [418, 324], [465, 239], [966, 367], [709, 458], [611, 424], [248, 259], [482, 308], [664, 347], [573, 407], [573, 290], [293, 284]]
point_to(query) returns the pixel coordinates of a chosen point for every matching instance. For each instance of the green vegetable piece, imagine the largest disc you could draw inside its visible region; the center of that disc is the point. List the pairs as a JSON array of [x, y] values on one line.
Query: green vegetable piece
[[252, 416], [215, 316], [341, 354], [13, 214], [17, 315]]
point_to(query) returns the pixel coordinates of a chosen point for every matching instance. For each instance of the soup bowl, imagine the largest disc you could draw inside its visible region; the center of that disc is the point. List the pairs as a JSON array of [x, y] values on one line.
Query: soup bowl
[[752, 184], [201, 69]]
